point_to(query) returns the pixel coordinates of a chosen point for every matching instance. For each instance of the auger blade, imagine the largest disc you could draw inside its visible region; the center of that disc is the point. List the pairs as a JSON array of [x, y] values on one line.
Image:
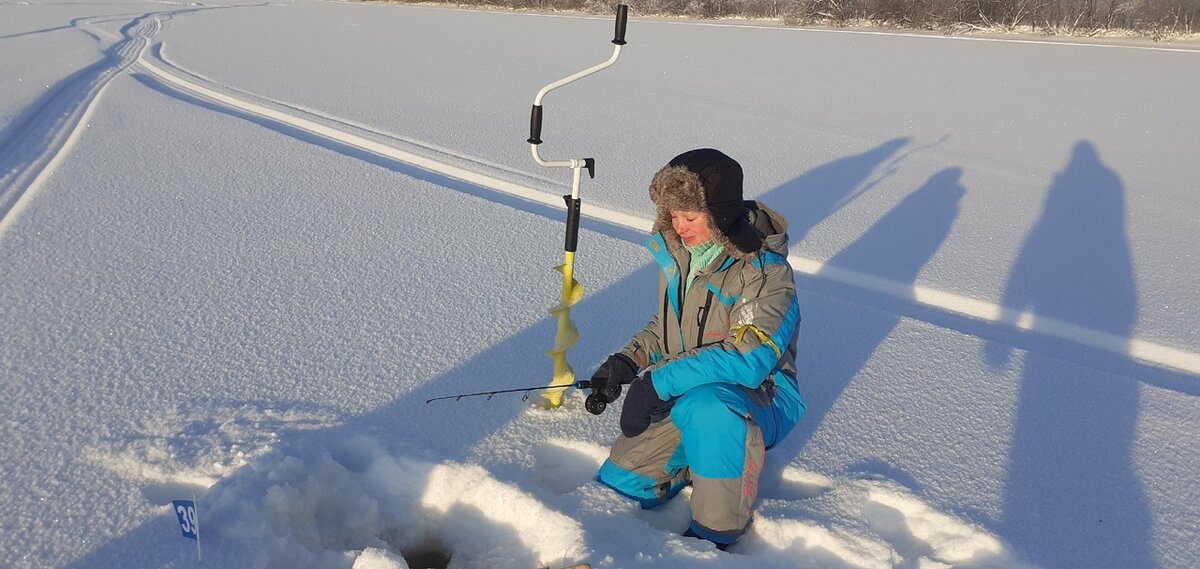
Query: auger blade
[[567, 335]]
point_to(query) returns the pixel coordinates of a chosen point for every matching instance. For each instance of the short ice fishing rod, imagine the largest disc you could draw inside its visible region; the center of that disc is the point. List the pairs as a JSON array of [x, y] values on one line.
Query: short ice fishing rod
[[595, 403], [567, 335]]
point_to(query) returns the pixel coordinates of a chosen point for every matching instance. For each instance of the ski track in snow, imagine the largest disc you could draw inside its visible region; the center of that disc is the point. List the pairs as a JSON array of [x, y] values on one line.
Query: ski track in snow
[[44, 134]]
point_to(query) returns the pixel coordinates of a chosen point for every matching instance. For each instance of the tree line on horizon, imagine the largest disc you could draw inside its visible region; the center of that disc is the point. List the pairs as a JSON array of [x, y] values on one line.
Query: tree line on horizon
[[1157, 19]]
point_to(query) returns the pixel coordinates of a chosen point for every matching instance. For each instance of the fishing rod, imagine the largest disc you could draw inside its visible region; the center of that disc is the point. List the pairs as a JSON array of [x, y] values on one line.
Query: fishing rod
[[595, 403]]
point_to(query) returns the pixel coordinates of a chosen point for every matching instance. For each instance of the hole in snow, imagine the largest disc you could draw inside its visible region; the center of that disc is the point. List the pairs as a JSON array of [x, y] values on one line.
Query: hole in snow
[[426, 557], [355, 500]]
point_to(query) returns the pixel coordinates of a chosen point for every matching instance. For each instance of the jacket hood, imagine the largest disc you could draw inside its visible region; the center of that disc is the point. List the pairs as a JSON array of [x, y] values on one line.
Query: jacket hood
[[771, 225]]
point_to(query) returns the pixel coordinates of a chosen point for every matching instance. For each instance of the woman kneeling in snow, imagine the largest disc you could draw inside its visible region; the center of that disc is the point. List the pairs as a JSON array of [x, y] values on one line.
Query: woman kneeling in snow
[[717, 383]]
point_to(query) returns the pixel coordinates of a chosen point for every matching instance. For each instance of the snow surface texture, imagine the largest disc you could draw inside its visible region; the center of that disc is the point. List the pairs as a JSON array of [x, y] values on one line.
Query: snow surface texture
[[242, 244]]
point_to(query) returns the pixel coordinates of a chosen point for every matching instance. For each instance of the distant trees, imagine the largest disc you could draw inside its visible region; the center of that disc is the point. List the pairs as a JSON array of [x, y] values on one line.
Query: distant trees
[[1158, 19]]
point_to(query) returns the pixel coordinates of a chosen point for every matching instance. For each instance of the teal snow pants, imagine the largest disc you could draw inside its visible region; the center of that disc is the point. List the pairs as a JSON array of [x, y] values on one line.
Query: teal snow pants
[[715, 438]]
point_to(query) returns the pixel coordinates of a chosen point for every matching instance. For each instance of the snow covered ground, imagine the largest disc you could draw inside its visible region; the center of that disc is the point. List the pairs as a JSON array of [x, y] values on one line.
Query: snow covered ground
[[241, 244]]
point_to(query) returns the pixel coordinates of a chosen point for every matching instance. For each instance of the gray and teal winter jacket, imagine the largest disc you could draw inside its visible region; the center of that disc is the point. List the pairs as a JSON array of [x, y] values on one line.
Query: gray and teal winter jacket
[[737, 323]]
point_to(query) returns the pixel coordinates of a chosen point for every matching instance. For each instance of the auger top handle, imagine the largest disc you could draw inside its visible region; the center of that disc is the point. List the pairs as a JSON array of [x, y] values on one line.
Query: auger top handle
[[535, 117]]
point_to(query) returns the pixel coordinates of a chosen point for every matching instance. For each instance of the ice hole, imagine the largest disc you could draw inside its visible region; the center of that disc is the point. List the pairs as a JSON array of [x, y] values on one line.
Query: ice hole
[[427, 556]]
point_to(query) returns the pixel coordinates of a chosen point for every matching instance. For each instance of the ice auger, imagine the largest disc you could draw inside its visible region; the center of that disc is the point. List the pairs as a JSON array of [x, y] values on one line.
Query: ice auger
[[572, 291]]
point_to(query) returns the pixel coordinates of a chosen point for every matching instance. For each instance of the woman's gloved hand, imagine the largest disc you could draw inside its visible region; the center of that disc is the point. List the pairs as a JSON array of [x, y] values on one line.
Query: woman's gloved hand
[[641, 403], [616, 371]]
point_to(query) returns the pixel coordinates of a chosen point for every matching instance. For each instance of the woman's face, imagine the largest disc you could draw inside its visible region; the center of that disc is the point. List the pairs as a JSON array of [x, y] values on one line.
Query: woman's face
[[692, 226]]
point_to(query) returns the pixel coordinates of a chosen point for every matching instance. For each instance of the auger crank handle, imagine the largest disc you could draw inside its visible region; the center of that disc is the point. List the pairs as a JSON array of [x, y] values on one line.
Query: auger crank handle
[[535, 125], [622, 20], [537, 113]]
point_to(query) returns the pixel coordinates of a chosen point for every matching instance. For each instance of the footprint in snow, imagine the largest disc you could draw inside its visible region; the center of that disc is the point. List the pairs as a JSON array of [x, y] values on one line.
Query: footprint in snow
[[563, 465]]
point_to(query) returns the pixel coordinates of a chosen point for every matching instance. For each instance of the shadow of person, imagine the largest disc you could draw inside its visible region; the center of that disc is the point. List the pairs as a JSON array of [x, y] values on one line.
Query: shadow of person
[[1072, 498], [810, 198], [837, 339]]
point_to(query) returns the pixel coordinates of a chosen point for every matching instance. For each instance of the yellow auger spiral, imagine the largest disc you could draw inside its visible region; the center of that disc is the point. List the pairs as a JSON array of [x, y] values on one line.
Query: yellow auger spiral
[[567, 334]]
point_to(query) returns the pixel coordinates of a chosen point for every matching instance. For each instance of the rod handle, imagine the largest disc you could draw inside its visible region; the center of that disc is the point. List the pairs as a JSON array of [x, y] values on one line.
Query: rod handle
[[622, 20], [535, 125]]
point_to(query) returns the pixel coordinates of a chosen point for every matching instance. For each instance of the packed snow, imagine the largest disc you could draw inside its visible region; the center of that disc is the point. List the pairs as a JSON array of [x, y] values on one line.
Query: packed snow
[[242, 244]]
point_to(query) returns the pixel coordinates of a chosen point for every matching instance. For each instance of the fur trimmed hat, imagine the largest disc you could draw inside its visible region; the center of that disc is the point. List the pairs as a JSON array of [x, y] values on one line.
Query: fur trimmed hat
[[709, 181]]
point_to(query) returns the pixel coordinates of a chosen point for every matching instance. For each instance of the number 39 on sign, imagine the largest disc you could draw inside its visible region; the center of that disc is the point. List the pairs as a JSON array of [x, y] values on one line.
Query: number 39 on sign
[[185, 510]]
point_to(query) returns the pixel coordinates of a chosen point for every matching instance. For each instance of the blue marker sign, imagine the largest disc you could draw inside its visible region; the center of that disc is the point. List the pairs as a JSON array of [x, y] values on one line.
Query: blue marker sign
[[185, 510]]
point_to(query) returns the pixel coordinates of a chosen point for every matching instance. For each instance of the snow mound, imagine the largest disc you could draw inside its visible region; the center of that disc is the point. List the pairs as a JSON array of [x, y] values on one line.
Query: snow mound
[[374, 558], [925, 533], [857, 523], [338, 500], [355, 505]]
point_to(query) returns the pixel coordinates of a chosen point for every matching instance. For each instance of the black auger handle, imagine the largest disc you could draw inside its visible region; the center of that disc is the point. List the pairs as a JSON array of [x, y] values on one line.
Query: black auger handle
[[535, 125], [622, 20]]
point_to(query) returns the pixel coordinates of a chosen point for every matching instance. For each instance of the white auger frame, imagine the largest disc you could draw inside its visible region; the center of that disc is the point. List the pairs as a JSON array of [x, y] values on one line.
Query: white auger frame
[[567, 335], [535, 120]]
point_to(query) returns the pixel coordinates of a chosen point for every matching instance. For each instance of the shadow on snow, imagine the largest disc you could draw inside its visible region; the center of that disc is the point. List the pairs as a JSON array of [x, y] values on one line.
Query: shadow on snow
[[1072, 496]]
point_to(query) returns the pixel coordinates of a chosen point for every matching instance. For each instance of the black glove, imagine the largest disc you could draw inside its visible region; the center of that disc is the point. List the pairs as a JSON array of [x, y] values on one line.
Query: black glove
[[641, 404], [616, 371]]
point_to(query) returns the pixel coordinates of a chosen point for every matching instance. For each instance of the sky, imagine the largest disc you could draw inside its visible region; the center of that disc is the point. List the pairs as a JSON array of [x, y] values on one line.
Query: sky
[[241, 244]]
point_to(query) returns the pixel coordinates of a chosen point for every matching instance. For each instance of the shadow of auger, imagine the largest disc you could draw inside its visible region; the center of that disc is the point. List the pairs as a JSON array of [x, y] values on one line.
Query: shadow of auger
[[817, 194]]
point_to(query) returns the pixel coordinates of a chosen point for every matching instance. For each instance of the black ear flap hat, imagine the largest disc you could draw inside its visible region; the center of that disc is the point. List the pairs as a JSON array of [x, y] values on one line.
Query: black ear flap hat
[[709, 181]]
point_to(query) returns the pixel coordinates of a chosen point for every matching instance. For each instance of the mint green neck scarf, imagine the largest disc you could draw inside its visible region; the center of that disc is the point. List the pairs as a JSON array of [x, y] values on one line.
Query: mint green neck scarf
[[702, 256]]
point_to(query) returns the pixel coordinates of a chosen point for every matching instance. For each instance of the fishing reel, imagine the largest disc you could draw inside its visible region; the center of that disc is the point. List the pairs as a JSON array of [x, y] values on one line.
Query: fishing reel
[[596, 402]]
